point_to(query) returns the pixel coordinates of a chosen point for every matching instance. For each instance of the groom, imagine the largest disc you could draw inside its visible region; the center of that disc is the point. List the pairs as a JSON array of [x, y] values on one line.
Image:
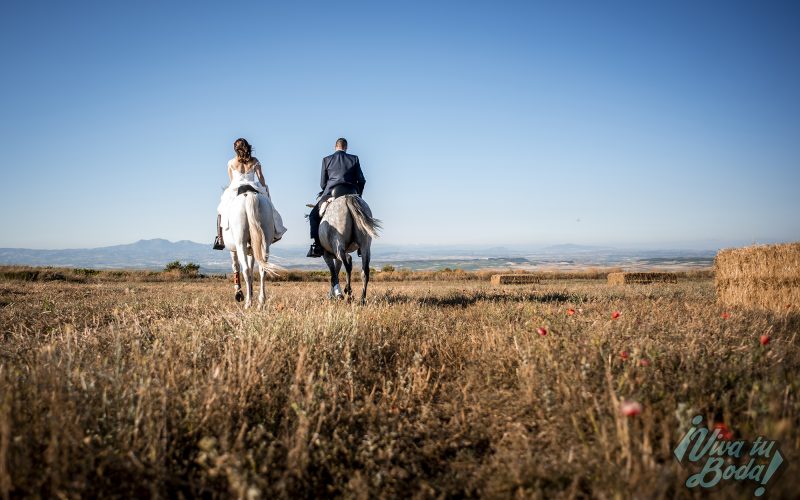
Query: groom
[[341, 174]]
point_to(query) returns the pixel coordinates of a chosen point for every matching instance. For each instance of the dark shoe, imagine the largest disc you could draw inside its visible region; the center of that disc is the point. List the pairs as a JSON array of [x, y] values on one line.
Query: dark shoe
[[218, 243], [315, 250]]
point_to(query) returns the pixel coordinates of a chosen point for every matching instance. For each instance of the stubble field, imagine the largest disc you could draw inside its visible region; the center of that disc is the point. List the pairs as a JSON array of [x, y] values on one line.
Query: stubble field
[[433, 389]]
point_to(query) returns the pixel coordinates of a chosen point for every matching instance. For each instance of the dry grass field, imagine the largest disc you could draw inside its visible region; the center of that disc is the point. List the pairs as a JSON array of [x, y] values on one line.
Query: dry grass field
[[433, 389]]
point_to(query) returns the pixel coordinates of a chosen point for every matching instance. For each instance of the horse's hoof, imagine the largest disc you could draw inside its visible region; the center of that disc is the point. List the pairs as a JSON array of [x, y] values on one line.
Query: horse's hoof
[[239, 296]]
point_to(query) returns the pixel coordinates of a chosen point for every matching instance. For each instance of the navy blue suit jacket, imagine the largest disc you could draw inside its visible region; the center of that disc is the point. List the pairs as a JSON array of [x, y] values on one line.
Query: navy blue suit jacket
[[341, 168]]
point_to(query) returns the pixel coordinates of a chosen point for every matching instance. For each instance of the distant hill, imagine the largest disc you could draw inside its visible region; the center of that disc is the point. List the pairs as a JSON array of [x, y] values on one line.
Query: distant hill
[[144, 254], [156, 253], [570, 248]]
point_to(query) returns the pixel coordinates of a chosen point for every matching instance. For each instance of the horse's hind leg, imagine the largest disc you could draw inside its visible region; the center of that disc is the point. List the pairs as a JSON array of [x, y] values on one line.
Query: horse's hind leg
[[237, 277], [334, 266], [336, 289], [249, 278], [247, 272], [348, 267], [262, 292], [365, 255]]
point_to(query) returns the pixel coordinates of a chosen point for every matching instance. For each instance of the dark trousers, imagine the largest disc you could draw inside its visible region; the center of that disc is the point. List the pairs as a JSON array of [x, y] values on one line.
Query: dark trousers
[[314, 220]]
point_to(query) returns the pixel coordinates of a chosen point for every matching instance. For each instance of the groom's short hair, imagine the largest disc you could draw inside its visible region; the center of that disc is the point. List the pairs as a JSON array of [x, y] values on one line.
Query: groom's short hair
[[341, 143]]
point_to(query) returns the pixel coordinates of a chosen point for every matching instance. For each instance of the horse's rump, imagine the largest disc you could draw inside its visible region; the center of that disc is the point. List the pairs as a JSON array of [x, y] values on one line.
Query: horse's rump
[[362, 215]]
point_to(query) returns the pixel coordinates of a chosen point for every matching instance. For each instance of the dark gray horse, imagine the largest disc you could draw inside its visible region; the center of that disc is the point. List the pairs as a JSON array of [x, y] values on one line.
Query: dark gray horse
[[346, 226]]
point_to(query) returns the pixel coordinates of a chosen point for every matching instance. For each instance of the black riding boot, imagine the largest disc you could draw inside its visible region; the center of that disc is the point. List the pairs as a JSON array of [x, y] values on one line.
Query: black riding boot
[[316, 249], [219, 244]]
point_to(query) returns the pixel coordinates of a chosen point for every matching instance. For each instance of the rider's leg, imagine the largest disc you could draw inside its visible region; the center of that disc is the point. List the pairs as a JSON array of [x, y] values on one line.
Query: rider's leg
[[219, 243], [314, 220]]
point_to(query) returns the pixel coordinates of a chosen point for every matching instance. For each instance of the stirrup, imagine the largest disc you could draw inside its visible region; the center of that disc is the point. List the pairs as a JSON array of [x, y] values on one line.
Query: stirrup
[[218, 243], [315, 251]]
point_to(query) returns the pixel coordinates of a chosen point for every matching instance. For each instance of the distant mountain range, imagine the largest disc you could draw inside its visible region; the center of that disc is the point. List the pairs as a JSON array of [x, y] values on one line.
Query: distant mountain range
[[156, 253], [144, 254]]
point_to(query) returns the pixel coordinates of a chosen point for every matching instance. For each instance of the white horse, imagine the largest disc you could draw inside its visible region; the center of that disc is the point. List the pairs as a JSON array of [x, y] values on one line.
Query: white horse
[[346, 226], [248, 236]]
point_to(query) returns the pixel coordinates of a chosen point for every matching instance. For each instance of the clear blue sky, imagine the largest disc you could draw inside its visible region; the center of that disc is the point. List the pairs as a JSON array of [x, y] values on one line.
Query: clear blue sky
[[619, 123]]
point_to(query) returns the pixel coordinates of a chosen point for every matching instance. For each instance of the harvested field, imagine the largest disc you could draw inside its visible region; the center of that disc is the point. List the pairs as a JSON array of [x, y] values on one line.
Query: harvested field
[[641, 278], [764, 276], [433, 389]]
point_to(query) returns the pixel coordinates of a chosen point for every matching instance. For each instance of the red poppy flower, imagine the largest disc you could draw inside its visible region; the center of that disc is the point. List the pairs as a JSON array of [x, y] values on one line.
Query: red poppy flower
[[630, 408], [570, 312], [764, 340], [624, 355], [541, 331], [615, 315], [725, 315], [724, 432]]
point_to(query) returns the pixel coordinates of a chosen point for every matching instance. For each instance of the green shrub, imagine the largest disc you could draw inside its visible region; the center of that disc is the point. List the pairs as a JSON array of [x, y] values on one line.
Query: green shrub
[[188, 269], [174, 266]]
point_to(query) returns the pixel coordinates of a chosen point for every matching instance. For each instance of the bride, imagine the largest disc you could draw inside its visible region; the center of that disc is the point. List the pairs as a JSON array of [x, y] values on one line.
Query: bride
[[243, 170]]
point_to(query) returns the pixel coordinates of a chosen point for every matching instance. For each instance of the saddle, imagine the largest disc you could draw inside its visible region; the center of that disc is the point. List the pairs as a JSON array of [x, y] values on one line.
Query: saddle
[[343, 189], [336, 192], [246, 188]]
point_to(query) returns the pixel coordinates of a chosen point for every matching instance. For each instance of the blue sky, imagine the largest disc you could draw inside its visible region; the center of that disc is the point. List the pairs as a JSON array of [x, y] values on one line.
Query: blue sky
[[613, 123]]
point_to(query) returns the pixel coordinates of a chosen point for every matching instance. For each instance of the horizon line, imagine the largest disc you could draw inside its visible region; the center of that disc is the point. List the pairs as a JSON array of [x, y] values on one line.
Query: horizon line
[[685, 245]]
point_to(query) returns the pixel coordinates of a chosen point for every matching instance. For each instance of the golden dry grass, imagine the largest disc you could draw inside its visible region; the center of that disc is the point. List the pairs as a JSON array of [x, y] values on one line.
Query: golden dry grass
[[434, 389], [28, 273]]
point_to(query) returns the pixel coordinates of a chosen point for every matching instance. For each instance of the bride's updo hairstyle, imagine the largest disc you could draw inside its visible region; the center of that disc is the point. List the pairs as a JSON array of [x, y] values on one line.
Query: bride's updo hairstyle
[[243, 152]]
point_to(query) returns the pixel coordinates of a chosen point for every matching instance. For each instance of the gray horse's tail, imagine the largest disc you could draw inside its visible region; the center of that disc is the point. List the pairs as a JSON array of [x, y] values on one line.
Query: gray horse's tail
[[258, 242], [362, 215]]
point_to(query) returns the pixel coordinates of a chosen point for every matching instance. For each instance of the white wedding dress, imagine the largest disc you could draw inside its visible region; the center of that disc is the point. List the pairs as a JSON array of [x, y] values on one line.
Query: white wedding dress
[[245, 179]]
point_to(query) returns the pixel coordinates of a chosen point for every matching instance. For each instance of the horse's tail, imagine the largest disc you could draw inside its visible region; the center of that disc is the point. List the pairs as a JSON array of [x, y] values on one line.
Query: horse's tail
[[362, 215], [258, 241]]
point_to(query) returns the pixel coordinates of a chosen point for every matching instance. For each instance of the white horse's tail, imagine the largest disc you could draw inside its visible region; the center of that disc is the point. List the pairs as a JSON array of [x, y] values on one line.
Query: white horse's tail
[[257, 240], [362, 215]]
